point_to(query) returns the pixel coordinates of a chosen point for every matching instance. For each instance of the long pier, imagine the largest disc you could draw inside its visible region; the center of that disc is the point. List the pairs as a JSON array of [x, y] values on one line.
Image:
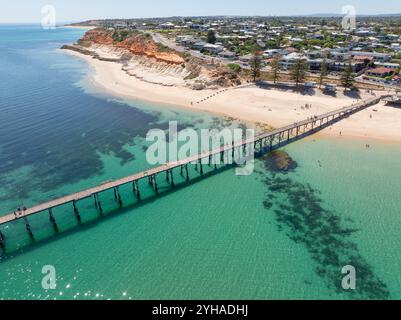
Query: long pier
[[265, 141]]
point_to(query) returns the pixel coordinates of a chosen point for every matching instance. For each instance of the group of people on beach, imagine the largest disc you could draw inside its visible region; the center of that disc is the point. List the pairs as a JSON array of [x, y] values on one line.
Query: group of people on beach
[[307, 106]]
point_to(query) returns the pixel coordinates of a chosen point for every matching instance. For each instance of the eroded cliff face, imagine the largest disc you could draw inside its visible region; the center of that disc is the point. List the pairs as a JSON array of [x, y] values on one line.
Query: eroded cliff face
[[144, 59], [136, 43]]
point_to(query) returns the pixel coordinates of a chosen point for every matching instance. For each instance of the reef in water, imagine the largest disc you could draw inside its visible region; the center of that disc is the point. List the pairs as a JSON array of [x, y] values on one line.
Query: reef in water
[[279, 161], [323, 232]]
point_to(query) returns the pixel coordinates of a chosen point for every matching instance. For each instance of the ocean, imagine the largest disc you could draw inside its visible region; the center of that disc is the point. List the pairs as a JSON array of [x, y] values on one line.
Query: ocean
[[271, 235]]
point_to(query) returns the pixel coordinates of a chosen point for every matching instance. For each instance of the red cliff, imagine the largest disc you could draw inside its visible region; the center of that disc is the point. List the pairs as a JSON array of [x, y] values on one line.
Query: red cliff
[[135, 42]]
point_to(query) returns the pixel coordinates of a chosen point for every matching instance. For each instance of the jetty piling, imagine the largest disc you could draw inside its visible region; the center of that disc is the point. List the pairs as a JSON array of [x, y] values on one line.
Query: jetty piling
[[138, 193], [95, 202], [28, 228], [98, 203], [172, 177], [155, 183], [118, 196], [53, 220], [186, 171], [2, 241], [76, 212]]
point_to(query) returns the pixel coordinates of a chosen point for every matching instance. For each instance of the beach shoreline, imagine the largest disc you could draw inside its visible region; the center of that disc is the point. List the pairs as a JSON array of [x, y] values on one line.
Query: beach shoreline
[[251, 104]]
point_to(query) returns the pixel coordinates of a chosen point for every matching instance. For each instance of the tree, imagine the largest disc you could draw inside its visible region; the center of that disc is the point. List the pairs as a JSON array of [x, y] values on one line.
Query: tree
[[323, 72], [347, 77], [256, 66], [298, 71], [275, 65], [211, 37], [398, 70]]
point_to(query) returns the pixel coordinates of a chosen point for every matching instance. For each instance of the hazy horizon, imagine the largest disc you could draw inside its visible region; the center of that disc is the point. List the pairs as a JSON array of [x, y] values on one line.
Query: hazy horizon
[[27, 11]]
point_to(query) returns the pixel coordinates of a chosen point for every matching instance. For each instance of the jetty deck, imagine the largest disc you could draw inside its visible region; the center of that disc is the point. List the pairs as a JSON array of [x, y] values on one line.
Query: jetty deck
[[295, 130]]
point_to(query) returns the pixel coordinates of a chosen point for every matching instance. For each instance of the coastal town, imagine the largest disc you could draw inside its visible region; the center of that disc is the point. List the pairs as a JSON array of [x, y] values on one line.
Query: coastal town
[[170, 152], [330, 55]]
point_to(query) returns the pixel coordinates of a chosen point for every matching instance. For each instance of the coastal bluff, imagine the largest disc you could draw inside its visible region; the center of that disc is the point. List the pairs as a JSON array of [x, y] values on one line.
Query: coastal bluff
[[141, 57]]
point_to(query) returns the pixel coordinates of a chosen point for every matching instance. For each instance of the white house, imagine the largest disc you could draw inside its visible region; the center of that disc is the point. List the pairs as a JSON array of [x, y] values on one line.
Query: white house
[[288, 61], [380, 57], [387, 65], [228, 55], [167, 26], [213, 48], [272, 53]]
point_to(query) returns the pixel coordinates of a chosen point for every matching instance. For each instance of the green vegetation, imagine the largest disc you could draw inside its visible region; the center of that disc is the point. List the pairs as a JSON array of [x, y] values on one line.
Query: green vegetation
[[243, 48], [347, 77], [323, 72], [298, 71], [235, 67], [256, 66], [120, 35], [275, 65], [211, 37], [163, 48]]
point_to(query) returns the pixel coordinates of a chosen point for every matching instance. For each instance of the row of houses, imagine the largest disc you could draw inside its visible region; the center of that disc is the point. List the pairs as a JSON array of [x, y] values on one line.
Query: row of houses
[[336, 59], [286, 62]]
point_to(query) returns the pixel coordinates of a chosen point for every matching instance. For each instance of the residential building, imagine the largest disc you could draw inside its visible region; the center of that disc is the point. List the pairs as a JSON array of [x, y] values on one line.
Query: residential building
[[380, 72]]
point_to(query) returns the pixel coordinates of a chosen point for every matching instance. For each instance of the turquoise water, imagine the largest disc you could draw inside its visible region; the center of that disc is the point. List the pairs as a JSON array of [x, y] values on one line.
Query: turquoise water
[[271, 235]]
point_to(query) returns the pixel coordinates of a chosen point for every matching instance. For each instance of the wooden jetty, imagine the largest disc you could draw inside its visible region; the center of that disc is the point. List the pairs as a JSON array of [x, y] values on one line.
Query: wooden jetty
[[262, 142]]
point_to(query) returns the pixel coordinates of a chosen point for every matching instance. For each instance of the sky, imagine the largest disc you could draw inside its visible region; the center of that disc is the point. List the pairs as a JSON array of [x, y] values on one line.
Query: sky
[[23, 11]]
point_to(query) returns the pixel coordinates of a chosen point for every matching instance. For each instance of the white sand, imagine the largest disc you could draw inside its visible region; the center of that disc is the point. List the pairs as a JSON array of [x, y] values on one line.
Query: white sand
[[268, 106]]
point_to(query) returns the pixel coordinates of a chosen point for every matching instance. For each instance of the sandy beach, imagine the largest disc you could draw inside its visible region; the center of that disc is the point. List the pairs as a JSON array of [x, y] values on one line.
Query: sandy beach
[[271, 106]]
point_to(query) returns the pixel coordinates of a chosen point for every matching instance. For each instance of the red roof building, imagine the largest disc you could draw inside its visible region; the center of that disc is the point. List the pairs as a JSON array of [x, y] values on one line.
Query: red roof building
[[363, 59], [380, 72]]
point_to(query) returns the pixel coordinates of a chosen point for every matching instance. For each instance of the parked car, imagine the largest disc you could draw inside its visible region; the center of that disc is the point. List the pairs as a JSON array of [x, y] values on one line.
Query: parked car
[[310, 84]]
